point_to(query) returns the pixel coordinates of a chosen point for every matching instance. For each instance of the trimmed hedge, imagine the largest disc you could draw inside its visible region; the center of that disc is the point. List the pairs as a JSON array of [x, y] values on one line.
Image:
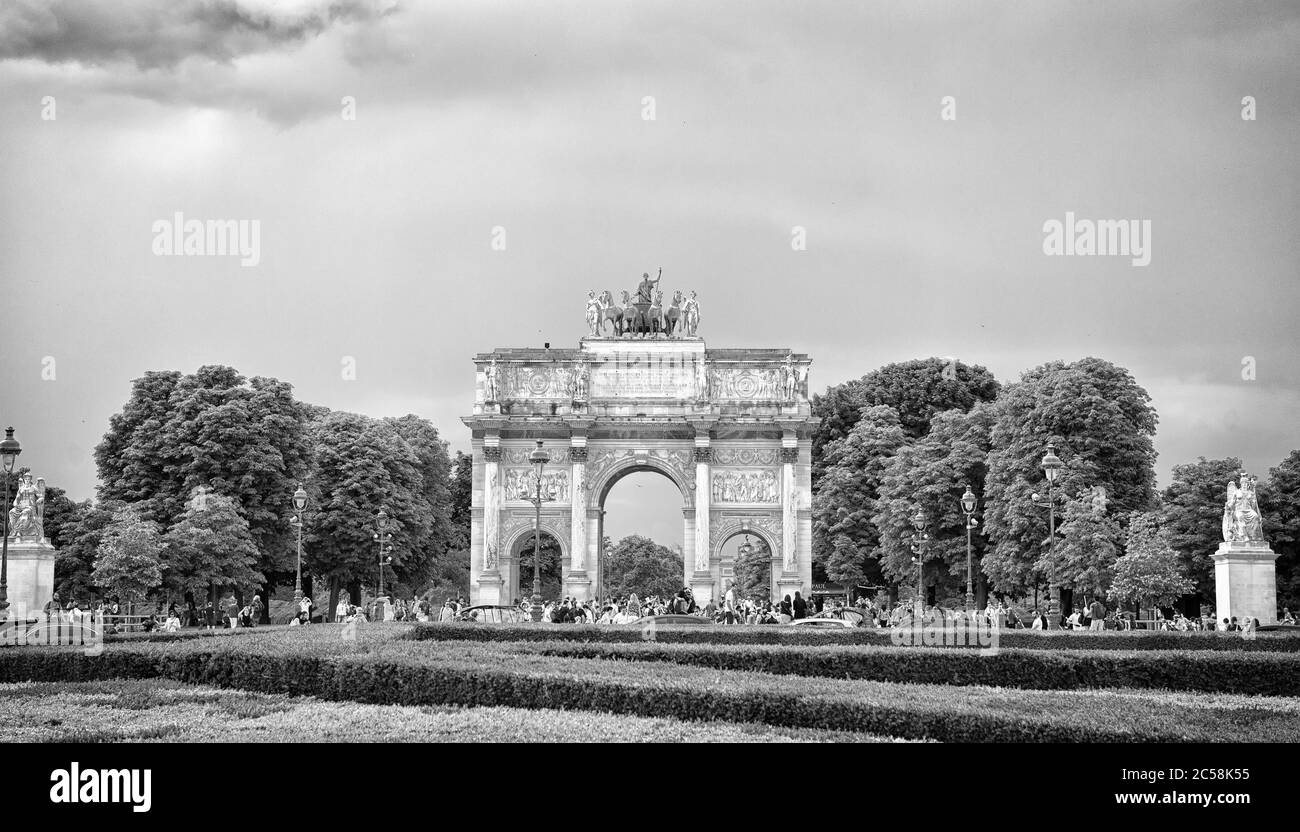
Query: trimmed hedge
[[487, 675], [1272, 674], [775, 634]]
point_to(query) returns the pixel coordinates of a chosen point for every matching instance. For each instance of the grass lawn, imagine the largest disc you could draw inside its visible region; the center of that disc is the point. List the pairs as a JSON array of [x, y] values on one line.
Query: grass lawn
[[166, 711]]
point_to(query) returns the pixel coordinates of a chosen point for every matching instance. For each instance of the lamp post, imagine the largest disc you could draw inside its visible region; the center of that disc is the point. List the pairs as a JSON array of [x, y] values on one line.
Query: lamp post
[[968, 508], [383, 538], [1051, 470], [299, 504], [918, 523], [9, 451], [538, 458]]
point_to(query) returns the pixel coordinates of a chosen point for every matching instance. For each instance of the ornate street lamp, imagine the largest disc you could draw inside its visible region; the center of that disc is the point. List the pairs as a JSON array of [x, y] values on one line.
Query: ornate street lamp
[[538, 458], [968, 506], [1051, 470], [299, 504], [383, 538], [9, 451], [918, 539], [745, 549]]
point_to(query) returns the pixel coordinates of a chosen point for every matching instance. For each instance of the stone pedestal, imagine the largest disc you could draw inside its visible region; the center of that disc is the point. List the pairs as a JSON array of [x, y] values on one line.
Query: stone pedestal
[[788, 585], [490, 588], [1245, 581], [578, 586], [31, 576], [702, 588]]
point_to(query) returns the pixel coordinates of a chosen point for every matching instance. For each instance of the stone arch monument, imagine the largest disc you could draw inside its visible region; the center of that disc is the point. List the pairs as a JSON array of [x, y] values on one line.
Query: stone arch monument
[[731, 428]]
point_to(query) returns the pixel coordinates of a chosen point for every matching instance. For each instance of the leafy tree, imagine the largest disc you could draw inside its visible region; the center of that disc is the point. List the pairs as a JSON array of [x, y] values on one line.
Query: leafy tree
[[1103, 424], [211, 548], [432, 532], [917, 390], [244, 438], [753, 572], [1192, 516], [1149, 570], [933, 473], [638, 564], [551, 558], [845, 538], [462, 495], [361, 465], [128, 561], [1279, 503], [75, 558], [1083, 559]]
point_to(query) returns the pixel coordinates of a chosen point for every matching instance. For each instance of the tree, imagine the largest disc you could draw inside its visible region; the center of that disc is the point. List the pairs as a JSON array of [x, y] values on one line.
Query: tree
[[917, 390], [432, 533], [1083, 559], [638, 564], [1279, 502], [75, 559], [462, 494], [1192, 516], [1103, 424], [244, 438], [845, 538], [932, 474], [753, 572], [361, 465], [1149, 570], [551, 558], [211, 549], [128, 561]]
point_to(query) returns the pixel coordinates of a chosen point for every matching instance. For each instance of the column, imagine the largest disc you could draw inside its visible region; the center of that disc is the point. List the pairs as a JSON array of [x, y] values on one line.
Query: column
[[789, 507], [578, 583], [490, 583], [688, 545], [593, 538], [702, 577]]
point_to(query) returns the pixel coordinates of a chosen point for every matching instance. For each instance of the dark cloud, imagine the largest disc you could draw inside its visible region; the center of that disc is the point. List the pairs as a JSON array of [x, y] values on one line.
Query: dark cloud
[[163, 33]]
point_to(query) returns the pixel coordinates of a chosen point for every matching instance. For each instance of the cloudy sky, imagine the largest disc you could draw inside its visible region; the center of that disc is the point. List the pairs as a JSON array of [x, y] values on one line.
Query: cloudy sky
[[924, 235]]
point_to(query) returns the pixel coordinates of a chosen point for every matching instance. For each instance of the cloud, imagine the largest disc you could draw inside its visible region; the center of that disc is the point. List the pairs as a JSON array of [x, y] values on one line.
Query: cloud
[[161, 34]]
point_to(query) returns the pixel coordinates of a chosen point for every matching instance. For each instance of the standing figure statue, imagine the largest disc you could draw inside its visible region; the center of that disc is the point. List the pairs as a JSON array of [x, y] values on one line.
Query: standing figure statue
[[581, 373], [702, 379], [490, 381], [791, 381], [594, 311], [643, 292], [690, 316]]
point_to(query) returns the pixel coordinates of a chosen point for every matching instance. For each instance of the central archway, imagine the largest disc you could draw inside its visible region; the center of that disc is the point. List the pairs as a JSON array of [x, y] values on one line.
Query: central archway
[[650, 472]]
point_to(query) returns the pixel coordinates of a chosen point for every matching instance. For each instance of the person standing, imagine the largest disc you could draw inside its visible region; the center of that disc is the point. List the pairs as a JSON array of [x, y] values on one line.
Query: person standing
[[1098, 612], [800, 606]]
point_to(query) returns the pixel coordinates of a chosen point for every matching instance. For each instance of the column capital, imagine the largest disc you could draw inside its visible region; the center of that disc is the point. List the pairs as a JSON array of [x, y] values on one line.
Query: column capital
[[789, 455], [703, 453], [578, 454], [492, 453]]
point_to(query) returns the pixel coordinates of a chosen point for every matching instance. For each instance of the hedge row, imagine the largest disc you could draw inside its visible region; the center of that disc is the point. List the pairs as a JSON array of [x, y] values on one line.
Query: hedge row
[[775, 634], [1272, 674], [473, 675]]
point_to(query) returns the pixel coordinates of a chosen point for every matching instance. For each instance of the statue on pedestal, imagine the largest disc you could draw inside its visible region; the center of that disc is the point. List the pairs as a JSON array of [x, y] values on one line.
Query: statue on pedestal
[[1241, 519], [595, 309], [490, 381], [27, 517]]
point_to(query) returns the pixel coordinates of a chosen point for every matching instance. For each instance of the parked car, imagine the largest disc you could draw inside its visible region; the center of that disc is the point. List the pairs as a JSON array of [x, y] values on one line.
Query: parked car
[[823, 620], [491, 614], [672, 620]]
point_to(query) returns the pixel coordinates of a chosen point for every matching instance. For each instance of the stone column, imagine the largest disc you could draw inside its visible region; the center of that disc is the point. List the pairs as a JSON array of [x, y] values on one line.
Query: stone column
[[489, 582], [702, 577], [578, 583], [789, 506], [592, 518], [688, 545]]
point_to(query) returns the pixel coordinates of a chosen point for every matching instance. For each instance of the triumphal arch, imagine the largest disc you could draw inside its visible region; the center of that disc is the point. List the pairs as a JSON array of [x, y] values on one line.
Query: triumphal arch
[[730, 427]]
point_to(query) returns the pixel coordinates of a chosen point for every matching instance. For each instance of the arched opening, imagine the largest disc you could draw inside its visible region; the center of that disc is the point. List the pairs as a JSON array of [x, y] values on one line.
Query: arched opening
[[551, 558], [642, 535], [746, 564]]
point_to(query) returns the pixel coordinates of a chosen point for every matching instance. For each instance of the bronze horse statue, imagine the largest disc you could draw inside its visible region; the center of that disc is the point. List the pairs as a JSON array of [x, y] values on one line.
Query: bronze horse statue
[[610, 313], [631, 316], [672, 314]]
